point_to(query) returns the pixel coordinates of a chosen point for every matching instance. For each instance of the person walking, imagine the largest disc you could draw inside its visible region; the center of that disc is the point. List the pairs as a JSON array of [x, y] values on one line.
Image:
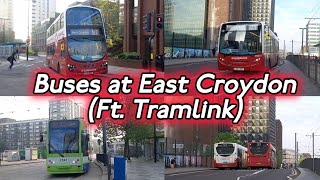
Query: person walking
[[11, 59], [17, 53]]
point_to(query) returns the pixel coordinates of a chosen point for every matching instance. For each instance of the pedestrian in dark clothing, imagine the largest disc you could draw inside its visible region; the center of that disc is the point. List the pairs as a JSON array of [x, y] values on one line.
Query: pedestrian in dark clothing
[[17, 53], [11, 59]]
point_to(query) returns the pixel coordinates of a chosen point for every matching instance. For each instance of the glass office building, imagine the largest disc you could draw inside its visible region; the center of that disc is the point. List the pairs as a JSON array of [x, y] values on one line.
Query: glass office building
[[186, 24]]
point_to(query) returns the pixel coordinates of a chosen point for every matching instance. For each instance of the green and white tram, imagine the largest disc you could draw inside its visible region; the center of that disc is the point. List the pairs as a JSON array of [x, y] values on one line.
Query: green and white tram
[[67, 147]]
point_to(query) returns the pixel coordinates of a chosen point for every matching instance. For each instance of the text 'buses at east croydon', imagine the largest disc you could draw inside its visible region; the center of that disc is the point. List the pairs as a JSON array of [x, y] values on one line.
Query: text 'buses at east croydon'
[[247, 46], [67, 147], [230, 155], [76, 42], [261, 155]]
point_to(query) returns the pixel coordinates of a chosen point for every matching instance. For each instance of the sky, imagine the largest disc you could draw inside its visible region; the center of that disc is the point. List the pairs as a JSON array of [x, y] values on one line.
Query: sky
[[21, 15], [290, 16], [27, 107], [300, 115]]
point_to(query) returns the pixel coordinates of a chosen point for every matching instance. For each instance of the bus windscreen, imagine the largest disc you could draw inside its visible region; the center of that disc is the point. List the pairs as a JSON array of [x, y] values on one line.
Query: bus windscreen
[[225, 149], [259, 148], [241, 39]]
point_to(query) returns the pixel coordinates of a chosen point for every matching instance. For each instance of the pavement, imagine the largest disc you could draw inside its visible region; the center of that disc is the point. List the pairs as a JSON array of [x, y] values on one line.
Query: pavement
[[38, 171], [307, 174], [6, 163], [140, 169]]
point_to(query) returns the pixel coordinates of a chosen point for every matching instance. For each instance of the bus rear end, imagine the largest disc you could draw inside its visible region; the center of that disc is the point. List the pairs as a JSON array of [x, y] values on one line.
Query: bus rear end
[[64, 152], [240, 47], [225, 155], [259, 155]]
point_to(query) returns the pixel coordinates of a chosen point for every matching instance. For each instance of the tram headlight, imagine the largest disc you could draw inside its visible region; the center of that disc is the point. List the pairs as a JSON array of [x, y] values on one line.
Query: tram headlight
[[51, 162]]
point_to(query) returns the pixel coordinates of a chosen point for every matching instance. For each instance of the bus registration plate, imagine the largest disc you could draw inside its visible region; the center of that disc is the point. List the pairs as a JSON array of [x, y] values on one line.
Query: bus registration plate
[[238, 69]]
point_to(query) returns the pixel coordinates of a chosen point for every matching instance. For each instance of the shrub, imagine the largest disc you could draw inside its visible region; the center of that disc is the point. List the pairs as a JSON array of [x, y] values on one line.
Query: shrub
[[129, 55]]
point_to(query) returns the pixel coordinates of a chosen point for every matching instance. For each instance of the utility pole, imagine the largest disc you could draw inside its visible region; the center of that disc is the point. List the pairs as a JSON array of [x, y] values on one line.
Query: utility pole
[[292, 52], [155, 142], [313, 135], [284, 49], [302, 47], [313, 152], [295, 150]]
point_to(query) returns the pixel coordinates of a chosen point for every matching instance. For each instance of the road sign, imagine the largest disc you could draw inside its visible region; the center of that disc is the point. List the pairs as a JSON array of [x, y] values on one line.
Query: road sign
[[179, 146]]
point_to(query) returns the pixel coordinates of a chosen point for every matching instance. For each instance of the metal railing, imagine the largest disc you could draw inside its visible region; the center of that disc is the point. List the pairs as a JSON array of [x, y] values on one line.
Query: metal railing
[[308, 65]]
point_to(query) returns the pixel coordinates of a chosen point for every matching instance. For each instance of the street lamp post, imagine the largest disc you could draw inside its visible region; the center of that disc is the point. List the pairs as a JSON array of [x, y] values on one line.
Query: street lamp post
[[302, 48]]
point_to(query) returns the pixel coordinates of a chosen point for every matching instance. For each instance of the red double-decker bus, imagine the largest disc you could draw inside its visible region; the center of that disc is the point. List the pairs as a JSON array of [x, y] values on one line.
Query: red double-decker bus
[[261, 155], [230, 155], [247, 46], [76, 43]]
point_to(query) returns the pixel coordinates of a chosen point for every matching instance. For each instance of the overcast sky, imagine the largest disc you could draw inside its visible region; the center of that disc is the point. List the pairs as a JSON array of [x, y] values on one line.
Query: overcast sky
[[290, 16], [27, 107], [300, 115], [21, 15]]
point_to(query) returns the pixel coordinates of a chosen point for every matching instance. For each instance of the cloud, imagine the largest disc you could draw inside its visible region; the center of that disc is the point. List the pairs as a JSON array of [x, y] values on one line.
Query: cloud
[[299, 115]]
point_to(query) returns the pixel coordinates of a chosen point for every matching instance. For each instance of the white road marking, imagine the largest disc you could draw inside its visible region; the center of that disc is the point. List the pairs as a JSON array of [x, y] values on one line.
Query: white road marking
[[183, 173], [255, 173], [289, 178]]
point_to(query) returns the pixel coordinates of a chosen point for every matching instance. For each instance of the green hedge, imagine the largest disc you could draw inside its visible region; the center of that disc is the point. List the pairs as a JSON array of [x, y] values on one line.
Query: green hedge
[[129, 55]]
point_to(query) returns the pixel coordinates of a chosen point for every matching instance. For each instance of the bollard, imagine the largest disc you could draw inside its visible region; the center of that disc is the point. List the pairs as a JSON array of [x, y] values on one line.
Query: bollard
[[120, 168]]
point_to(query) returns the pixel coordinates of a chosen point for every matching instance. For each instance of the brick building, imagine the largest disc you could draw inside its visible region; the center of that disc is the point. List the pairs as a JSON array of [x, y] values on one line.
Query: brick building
[[135, 37]]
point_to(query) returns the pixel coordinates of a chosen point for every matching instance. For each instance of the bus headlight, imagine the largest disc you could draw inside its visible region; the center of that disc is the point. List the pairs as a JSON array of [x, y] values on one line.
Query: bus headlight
[[257, 60], [221, 59], [71, 67], [105, 65]]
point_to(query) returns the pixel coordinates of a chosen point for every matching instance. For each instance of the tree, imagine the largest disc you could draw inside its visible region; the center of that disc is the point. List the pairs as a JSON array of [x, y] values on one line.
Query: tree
[[9, 36], [228, 137], [128, 131], [3, 146], [111, 13]]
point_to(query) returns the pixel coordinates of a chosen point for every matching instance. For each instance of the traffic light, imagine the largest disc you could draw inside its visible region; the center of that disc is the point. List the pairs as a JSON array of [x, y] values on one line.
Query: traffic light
[[147, 22], [99, 142], [159, 22]]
